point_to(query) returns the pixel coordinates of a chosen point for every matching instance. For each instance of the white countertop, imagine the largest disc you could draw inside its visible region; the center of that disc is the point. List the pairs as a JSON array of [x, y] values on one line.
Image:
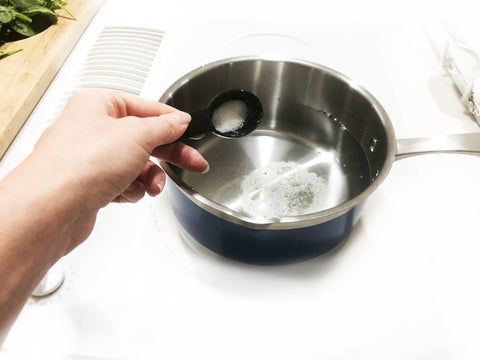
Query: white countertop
[[404, 284]]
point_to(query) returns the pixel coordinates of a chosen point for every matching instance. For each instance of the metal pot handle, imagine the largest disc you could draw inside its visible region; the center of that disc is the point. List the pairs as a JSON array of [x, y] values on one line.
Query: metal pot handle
[[461, 143]]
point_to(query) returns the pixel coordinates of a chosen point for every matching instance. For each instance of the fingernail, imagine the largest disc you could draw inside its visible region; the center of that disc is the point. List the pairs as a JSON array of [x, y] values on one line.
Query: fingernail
[[183, 116], [206, 170], [160, 187]]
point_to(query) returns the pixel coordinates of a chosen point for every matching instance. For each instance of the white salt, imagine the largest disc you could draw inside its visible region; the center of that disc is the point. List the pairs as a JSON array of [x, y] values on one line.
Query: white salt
[[229, 116], [282, 189]]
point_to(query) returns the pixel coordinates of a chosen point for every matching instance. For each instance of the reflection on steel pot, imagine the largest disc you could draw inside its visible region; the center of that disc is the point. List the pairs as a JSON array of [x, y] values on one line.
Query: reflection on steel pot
[[294, 188]]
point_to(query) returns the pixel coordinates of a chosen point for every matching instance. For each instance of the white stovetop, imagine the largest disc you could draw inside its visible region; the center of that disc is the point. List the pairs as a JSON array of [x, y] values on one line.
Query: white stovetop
[[404, 285]]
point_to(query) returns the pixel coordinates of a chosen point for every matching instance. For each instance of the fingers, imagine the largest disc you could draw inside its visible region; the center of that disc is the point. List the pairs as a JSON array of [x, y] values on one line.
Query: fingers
[[182, 156], [156, 123], [133, 193], [148, 125], [131, 105], [151, 180], [118, 104], [160, 130], [162, 134]]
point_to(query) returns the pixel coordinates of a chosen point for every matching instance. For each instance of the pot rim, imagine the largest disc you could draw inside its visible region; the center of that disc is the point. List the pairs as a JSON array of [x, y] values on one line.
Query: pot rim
[[288, 222]]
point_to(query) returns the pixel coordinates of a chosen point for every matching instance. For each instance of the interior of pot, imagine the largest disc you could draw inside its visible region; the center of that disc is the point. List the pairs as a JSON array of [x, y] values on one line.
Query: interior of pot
[[322, 142]]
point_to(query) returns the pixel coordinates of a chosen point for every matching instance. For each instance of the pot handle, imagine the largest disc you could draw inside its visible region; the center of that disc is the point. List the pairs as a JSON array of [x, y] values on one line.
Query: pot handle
[[461, 144]]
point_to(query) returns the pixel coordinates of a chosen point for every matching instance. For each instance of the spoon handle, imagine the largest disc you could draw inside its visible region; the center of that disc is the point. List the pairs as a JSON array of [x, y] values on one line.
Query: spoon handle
[[199, 125]]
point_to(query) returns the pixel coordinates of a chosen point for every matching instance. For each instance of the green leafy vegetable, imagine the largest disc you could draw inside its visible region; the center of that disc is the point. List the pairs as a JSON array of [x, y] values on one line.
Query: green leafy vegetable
[[23, 28], [9, 14], [21, 5], [40, 10], [24, 18]]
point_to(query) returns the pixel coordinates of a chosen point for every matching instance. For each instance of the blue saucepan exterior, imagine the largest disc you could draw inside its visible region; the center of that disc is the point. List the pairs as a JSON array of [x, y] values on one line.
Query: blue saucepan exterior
[[260, 246]]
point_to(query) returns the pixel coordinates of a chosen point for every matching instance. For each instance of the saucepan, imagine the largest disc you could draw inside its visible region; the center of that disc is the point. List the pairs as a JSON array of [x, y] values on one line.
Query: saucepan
[[295, 187]]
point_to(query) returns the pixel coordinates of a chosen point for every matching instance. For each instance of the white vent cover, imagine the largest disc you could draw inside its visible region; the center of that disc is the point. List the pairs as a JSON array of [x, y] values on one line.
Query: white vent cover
[[120, 59]]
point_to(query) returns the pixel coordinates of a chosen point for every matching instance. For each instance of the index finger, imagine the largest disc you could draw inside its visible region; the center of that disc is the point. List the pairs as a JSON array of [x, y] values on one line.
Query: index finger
[[132, 105]]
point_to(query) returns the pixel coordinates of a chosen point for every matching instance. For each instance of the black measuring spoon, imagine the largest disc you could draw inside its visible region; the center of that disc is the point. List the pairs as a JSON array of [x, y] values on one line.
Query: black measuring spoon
[[231, 114]]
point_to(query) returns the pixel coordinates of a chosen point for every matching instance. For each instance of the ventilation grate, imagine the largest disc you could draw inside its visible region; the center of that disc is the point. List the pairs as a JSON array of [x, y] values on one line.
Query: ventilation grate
[[120, 59]]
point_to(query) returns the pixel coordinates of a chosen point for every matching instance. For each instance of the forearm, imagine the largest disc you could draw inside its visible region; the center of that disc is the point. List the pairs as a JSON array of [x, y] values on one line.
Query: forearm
[[34, 224]]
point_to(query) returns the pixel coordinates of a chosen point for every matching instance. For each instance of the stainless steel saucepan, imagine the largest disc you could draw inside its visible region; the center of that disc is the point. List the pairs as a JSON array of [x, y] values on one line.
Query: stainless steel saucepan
[[294, 188]]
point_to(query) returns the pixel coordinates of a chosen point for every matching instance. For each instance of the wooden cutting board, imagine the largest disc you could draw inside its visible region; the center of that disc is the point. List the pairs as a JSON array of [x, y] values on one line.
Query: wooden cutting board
[[26, 75]]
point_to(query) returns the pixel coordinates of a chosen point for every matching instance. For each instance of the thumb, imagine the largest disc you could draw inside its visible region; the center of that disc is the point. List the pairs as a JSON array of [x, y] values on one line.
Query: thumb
[[163, 129]]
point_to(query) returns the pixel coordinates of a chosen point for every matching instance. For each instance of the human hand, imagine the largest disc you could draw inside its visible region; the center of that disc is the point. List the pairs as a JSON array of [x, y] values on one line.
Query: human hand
[[99, 149], [107, 139]]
